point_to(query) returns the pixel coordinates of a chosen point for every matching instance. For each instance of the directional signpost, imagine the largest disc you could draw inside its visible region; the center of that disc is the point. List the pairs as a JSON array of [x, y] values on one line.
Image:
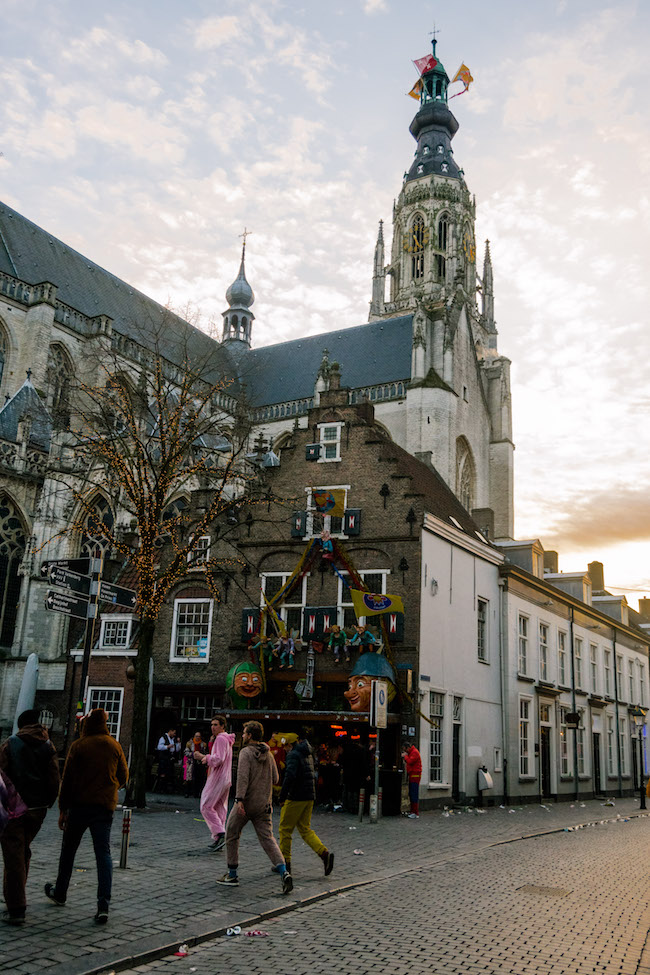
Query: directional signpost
[[110, 593], [67, 579], [82, 566], [63, 602]]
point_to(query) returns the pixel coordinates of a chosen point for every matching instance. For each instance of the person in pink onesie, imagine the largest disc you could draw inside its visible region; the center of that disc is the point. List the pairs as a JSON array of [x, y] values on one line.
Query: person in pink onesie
[[214, 798]]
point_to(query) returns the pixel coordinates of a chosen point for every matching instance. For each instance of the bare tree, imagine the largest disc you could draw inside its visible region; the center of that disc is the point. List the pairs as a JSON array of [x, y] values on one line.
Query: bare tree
[[150, 422]]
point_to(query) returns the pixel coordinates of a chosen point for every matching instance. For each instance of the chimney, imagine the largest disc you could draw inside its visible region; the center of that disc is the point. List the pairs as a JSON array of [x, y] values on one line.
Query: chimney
[[597, 574], [644, 608], [550, 561]]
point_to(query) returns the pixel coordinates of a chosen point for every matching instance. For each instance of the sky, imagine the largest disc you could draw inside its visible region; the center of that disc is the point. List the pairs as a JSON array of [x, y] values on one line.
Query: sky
[[149, 135]]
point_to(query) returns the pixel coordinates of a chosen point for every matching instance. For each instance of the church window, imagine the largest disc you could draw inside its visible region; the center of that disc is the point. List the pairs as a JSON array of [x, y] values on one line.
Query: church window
[[416, 245], [443, 234], [3, 353], [12, 549], [99, 519], [420, 169], [58, 379]]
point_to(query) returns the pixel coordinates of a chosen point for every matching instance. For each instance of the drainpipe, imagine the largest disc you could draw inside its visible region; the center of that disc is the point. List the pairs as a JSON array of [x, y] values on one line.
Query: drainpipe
[[576, 784], [503, 645], [618, 737]]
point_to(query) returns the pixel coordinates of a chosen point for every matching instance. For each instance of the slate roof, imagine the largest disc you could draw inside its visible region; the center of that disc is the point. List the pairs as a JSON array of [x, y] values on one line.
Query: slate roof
[[26, 402], [31, 254], [378, 352]]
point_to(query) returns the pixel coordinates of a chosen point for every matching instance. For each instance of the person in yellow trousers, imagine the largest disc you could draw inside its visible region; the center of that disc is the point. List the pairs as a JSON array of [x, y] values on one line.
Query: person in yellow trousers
[[297, 797]]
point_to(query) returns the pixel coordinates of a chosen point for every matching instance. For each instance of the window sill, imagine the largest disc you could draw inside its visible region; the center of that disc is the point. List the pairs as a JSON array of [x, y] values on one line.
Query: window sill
[[485, 662], [528, 778], [525, 677], [189, 660], [438, 785], [106, 652]]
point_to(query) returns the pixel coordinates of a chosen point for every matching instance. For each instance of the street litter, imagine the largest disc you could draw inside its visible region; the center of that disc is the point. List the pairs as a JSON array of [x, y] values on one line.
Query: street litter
[[232, 931], [609, 802], [256, 934], [352, 827], [182, 952], [177, 811], [512, 810], [290, 932], [358, 853]]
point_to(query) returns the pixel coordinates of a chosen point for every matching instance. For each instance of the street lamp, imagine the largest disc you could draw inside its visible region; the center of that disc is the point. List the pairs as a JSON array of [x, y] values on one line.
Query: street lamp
[[638, 716]]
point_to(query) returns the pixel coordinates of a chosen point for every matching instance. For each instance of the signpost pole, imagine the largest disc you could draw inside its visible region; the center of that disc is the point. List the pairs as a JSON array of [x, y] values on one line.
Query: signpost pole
[[89, 635]]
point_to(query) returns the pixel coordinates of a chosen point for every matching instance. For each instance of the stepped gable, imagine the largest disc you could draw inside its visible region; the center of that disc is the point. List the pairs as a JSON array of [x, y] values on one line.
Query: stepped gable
[[26, 403], [30, 254], [378, 352]]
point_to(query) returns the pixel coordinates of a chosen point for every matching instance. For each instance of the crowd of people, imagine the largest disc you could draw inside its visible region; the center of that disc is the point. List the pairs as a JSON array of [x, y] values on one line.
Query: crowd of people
[[95, 769]]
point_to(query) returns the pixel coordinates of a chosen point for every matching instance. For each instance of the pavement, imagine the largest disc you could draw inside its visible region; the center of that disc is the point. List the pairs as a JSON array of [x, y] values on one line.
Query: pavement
[[516, 889]]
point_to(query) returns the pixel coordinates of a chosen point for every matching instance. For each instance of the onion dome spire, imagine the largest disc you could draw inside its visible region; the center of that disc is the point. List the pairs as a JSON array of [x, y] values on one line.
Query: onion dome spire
[[238, 319]]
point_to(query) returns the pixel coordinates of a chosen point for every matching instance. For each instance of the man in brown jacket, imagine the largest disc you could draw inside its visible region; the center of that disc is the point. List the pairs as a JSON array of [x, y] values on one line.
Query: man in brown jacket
[[28, 759], [94, 770], [257, 773]]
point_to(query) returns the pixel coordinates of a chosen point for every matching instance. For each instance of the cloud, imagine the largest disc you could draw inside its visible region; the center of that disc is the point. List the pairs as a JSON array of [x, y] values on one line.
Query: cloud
[[100, 47], [120, 124], [213, 32], [618, 513], [374, 6]]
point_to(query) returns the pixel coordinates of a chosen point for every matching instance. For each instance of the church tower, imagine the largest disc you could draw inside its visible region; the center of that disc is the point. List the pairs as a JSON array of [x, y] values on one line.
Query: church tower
[[458, 399], [238, 318]]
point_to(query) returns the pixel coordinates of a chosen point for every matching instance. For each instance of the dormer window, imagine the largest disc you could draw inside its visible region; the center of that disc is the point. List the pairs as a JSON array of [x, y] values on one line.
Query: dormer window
[[425, 151], [444, 167], [420, 169], [440, 149]]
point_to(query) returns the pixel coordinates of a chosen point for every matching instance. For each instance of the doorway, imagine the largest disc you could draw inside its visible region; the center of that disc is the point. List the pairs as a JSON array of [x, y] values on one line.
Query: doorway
[[545, 759], [596, 753]]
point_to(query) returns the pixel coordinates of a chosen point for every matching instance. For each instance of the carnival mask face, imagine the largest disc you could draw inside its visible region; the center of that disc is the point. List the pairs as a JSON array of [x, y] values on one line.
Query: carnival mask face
[[248, 685], [358, 693]]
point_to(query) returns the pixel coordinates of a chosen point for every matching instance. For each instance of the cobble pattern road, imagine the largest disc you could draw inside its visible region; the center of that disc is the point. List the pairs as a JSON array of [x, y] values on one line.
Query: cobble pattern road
[[416, 874]]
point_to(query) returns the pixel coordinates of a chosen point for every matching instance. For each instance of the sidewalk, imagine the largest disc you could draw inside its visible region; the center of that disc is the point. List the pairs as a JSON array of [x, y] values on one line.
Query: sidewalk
[[168, 893]]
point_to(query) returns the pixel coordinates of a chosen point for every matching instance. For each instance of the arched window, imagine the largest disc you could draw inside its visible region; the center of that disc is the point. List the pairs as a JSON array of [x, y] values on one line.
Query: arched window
[[443, 233], [12, 549], [4, 349], [99, 517], [465, 474], [416, 244], [58, 378]]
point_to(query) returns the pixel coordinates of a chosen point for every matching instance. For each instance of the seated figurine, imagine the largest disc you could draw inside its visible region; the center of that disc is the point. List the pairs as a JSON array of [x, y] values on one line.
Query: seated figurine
[[286, 649], [338, 642], [267, 650], [365, 640]]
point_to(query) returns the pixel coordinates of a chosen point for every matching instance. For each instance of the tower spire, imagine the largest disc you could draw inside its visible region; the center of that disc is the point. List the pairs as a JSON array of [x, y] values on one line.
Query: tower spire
[[238, 318], [488, 289], [377, 305]]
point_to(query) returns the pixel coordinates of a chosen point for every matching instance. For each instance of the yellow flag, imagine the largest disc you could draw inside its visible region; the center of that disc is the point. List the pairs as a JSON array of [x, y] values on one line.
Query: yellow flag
[[463, 74], [373, 604], [330, 502], [416, 90]]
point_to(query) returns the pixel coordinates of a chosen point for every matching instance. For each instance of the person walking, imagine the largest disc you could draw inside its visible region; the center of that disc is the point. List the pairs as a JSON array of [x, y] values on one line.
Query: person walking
[[94, 771], [297, 798], [257, 773], [28, 760], [413, 761], [167, 749], [214, 798]]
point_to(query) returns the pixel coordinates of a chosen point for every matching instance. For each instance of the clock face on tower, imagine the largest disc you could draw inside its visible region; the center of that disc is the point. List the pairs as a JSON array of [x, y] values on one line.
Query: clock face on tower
[[415, 239]]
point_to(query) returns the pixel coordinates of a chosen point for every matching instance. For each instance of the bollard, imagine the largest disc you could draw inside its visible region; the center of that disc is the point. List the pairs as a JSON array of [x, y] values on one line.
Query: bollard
[[380, 799], [362, 803], [126, 835]]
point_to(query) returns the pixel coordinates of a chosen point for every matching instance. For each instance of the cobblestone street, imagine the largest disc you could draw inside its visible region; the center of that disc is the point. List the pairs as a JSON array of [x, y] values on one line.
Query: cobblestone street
[[503, 892]]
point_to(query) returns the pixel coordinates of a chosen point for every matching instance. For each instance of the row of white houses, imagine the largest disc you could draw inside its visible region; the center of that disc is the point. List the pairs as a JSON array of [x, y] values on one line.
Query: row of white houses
[[538, 677]]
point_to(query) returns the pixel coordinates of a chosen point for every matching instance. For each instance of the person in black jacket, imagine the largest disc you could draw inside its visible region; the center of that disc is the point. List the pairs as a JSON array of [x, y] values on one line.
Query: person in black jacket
[[297, 798], [28, 759]]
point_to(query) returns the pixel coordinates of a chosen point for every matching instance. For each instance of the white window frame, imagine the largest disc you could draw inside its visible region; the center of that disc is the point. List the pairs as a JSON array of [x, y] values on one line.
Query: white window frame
[[341, 606], [580, 744], [611, 751], [561, 657], [622, 737], [522, 643], [630, 681], [578, 644], [327, 519], [543, 631], [607, 654], [641, 669], [104, 624], [593, 664], [283, 610], [482, 629], [526, 755], [96, 702], [326, 443], [437, 702], [200, 554], [619, 676], [176, 658], [566, 757]]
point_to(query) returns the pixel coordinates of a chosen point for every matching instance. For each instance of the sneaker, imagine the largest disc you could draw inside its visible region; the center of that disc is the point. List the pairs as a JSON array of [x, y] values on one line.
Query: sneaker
[[220, 842], [228, 881], [50, 891], [287, 883], [9, 918], [101, 917], [328, 861], [413, 816]]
